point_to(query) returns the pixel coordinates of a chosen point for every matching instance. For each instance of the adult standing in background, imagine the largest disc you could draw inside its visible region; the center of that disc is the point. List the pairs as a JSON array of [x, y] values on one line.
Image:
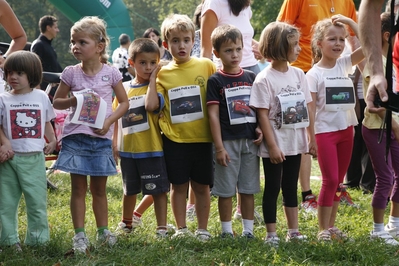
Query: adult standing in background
[[154, 35], [13, 27], [304, 14], [42, 47], [234, 12], [120, 58]]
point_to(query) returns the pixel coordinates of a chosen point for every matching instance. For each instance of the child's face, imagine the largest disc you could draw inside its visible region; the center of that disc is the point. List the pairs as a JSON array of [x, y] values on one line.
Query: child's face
[[333, 43], [230, 54], [295, 49], [18, 80], [144, 64], [179, 45], [84, 48]]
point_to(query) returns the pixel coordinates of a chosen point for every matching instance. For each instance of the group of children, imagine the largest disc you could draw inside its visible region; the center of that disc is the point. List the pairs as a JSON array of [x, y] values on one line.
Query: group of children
[[229, 115]]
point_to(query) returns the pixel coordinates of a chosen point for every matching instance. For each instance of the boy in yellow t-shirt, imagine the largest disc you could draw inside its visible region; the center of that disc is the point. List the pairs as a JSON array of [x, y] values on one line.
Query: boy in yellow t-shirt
[[137, 139], [186, 134]]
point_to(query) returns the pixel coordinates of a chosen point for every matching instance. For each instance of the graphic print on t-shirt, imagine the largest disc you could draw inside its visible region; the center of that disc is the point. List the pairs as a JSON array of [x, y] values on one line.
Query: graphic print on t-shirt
[[237, 99], [185, 104], [294, 110], [25, 123], [340, 94], [135, 119]]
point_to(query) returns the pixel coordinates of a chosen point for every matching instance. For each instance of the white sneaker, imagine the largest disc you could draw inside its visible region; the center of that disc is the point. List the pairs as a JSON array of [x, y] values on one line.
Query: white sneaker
[[393, 231], [202, 234], [190, 214], [297, 236], [384, 236], [161, 233], [122, 229], [272, 241], [136, 221], [183, 232], [107, 237], [80, 243]]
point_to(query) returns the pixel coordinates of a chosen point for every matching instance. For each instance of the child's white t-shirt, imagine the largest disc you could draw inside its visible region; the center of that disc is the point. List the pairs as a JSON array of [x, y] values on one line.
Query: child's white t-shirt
[[268, 84], [329, 121]]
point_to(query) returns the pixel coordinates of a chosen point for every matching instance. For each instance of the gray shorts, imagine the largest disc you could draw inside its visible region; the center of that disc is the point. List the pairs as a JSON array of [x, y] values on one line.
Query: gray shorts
[[242, 173]]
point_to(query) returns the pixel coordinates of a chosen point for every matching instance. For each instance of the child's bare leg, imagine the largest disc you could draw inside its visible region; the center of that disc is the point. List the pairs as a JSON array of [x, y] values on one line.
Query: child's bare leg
[[191, 196], [247, 206], [144, 204], [99, 202], [202, 204], [178, 194], [225, 209], [128, 204], [77, 202], [161, 208], [291, 215]]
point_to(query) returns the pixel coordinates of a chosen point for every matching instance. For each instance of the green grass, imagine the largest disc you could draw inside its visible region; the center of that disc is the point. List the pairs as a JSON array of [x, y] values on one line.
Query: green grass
[[142, 248]]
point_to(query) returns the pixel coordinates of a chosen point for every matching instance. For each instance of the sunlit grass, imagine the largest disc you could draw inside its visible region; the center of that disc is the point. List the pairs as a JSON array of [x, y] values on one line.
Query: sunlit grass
[[142, 248]]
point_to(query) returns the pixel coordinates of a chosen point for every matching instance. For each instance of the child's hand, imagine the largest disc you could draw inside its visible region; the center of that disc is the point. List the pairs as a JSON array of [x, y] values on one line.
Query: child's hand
[[259, 136], [50, 147], [104, 130], [115, 153], [276, 155], [312, 148], [222, 157], [342, 19], [6, 153], [155, 72]]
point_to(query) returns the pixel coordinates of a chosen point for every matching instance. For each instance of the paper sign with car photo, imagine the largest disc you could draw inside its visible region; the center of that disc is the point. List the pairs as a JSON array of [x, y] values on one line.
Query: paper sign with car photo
[[237, 99], [185, 104], [340, 94], [90, 109], [135, 119], [294, 110]]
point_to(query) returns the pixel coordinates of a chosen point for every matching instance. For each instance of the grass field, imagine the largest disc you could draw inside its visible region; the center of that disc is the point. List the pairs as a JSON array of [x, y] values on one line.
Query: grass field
[[142, 248]]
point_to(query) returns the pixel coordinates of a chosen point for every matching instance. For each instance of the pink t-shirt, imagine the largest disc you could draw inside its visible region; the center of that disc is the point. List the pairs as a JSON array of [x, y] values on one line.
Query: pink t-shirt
[[102, 83]]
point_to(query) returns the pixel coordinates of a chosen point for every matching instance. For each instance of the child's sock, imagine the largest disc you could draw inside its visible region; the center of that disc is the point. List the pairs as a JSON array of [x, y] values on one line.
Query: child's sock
[[128, 222], [80, 230], [247, 226], [291, 231], [238, 209], [378, 227], [306, 193], [137, 214], [393, 221], [271, 234], [227, 227], [100, 230]]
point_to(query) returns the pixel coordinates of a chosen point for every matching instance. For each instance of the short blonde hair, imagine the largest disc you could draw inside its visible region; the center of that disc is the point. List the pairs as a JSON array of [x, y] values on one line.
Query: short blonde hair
[[177, 22], [275, 40], [95, 27]]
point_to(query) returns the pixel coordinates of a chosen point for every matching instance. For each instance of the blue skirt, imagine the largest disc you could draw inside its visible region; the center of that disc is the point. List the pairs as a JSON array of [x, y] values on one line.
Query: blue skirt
[[86, 155]]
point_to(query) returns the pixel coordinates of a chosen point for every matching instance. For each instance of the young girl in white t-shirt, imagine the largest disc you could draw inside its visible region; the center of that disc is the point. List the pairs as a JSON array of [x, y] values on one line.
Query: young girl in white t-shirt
[[283, 102], [333, 93]]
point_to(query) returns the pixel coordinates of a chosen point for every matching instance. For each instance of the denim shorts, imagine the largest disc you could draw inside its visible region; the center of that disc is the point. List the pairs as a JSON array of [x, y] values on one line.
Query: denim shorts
[[86, 155]]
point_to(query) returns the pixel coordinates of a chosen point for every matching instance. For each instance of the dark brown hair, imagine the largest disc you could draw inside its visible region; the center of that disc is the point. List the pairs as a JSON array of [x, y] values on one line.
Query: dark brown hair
[[27, 62], [237, 6], [143, 45]]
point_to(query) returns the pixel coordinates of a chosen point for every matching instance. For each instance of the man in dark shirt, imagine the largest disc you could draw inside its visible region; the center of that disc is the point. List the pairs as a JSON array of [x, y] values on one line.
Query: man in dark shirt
[[42, 46]]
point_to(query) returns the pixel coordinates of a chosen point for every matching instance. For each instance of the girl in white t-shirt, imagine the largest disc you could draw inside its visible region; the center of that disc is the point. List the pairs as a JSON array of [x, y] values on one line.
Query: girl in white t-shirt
[[283, 102], [333, 93]]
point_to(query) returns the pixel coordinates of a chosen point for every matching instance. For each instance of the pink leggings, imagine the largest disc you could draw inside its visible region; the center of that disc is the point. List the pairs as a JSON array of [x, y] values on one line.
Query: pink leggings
[[334, 155]]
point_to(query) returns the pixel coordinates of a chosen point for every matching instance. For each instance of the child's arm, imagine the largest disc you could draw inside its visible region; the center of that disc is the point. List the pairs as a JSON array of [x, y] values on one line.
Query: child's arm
[[222, 157], [310, 128], [276, 155], [259, 136], [50, 136], [123, 106], [61, 100], [151, 99], [115, 150], [357, 56], [6, 151]]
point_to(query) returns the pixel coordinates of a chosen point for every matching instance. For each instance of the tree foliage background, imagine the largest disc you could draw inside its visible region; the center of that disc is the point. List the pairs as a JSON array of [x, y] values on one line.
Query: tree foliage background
[[143, 13]]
